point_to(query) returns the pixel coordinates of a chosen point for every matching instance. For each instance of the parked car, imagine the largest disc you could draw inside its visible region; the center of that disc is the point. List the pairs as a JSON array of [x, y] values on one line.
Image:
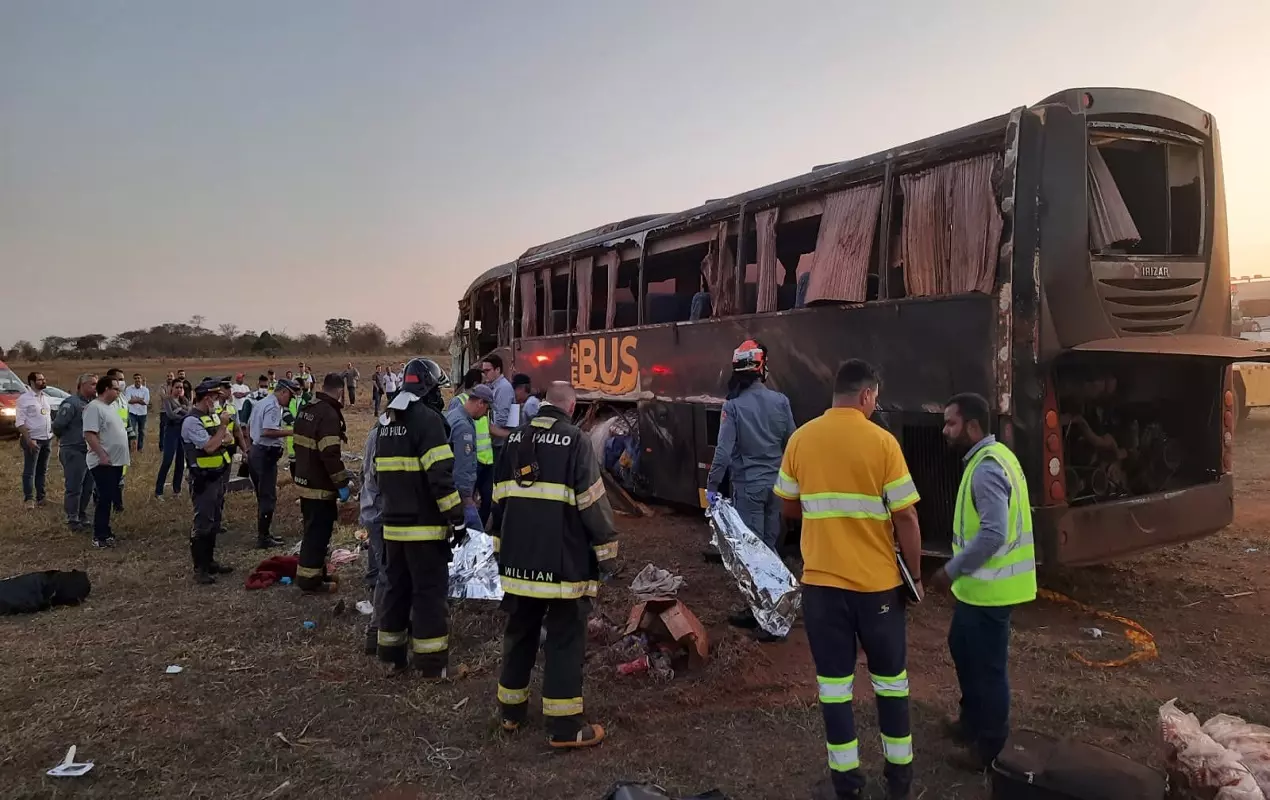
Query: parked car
[[55, 396], [11, 387]]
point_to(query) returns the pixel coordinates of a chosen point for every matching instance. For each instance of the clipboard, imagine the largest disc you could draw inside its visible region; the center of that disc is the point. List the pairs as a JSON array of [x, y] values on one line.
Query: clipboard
[[911, 591]]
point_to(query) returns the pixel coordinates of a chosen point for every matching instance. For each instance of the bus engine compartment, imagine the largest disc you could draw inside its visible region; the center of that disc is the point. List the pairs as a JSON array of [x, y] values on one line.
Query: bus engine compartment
[[1138, 426]]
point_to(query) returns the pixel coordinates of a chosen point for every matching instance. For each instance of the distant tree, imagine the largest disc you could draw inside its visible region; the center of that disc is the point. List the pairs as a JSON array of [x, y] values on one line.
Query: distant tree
[[338, 330], [367, 338], [92, 341], [267, 344], [311, 343], [24, 351], [228, 329], [196, 321], [421, 338], [54, 346]]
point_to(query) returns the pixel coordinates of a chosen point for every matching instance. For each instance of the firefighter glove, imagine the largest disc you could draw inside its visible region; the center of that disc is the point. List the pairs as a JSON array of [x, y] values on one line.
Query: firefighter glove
[[344, 493], [712, 498], [608, 569]]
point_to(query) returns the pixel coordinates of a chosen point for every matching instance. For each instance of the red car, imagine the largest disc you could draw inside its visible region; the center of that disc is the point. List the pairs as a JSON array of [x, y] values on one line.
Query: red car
[[11, 387]]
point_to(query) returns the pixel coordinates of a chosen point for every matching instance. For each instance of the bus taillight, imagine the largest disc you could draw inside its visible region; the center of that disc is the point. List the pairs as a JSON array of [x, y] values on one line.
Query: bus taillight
[[1053, 475], [1228, 422]]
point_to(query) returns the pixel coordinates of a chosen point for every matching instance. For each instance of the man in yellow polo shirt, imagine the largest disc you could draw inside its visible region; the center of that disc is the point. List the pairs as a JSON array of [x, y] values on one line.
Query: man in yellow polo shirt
[[848, 481]]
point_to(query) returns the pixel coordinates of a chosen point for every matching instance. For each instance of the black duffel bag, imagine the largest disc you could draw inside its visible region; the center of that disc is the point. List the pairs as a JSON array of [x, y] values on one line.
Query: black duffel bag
[[1033, 766]]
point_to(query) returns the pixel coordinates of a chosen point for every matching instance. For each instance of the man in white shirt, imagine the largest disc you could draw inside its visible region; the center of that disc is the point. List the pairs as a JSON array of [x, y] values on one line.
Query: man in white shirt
[[35, 426], [239, 391], [390, 383], [137, 396]]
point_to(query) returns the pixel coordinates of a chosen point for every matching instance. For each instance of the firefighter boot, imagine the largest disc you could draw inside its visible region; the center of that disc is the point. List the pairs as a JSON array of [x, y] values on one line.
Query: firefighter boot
[[264, 539], [372, 640], [199, 554]]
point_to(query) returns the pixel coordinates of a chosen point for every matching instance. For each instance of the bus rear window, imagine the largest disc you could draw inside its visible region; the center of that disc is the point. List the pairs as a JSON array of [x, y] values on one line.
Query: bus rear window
[[1145, 197]]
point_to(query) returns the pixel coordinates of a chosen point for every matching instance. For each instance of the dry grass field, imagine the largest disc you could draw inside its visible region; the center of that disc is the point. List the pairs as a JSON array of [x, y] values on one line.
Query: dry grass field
[[262, 703]]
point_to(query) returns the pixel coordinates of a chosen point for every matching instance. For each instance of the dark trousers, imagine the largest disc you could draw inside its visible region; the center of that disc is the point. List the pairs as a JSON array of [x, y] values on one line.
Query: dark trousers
[[163, 432], [262, 462], [138, 422], [172, 458], [376, 396], [836, 619], [485, 488], [352, 395], [79, 483], [415, 617], [35, 466], [208, 495], [563, 652], [106, 479], [979, 641], [319, 521]]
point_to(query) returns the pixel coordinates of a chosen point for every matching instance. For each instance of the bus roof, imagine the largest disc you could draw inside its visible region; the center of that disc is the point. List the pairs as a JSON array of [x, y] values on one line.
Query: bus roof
[[932, 148]]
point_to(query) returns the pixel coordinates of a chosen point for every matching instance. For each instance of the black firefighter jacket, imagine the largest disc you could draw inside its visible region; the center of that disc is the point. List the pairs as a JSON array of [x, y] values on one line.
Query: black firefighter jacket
[[414, 467], [556, 522], [319, 428]]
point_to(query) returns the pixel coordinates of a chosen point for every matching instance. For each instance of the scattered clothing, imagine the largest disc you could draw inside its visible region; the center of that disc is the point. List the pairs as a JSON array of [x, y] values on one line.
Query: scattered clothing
[[272, 570], [653, 582], [37, 591]]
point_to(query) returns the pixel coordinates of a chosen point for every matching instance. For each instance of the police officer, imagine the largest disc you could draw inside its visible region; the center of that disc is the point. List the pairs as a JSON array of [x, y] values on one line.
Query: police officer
[[993, 569], [237, 438], [462, 419], [484, 446], [205, 438], [754, 427], [422, 516], [555, 539], [321, 480], [847, 480], [267, 436]]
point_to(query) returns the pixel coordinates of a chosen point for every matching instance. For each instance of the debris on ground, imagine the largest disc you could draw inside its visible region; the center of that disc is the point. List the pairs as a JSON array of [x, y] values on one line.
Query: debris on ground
[[659, 633], [340, 557], [38, 591], [174, 670], [1143, 642], [767, 585], [365, 607], [310, 625], [651, 791], [652, 582], [1092, 633], [69, 768], [1197, 761], [275, 569]]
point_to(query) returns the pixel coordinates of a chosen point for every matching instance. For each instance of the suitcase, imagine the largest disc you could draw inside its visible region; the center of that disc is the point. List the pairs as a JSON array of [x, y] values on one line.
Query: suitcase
[[1033, 766]]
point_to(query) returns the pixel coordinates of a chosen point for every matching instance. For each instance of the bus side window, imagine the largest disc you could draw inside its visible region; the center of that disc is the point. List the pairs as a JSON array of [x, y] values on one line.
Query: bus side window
[[671, 280], [795, 250]]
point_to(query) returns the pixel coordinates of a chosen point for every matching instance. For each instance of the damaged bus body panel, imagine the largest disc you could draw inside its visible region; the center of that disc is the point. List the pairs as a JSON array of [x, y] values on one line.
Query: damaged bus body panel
[[1065, 260]]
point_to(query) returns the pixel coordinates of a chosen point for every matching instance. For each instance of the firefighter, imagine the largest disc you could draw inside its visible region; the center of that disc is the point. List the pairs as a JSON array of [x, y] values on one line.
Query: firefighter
[[754, 427], [464, 440], [205, 438], [555, 539], [422, 517], [993, 569], [847, 480], [321, 480]]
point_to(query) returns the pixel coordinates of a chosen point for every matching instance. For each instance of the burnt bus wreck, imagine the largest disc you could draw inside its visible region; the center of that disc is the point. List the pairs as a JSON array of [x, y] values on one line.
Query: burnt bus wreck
[[1067, 260]]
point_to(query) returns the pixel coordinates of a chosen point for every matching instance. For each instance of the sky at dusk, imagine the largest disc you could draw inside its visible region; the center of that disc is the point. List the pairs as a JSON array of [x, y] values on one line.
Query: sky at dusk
[[272, 164]]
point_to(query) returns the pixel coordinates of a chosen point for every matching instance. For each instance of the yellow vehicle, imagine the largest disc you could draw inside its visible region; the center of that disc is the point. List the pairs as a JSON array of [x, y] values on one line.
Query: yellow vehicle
[[1250, 319]]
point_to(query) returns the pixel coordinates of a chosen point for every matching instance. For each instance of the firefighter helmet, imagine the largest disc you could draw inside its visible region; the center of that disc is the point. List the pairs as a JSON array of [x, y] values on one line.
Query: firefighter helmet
[[750, 356], [422, 376]]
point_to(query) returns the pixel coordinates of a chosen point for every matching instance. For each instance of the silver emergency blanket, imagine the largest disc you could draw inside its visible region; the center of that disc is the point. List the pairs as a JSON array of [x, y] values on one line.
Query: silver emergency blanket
[[473, 569], [766, 583]]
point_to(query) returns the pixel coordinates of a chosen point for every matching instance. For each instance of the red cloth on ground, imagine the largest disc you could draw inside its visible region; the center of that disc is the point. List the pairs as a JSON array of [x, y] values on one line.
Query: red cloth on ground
[[271, 570]]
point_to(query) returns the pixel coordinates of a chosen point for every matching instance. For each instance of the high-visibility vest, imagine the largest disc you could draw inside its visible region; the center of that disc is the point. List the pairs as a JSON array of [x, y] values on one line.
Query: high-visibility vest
[[293, 410], [484, 444], [201, 461], [1009, 576]]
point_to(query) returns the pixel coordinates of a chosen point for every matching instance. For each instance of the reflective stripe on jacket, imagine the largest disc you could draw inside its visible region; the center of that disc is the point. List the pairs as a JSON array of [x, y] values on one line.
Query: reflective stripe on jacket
[[200, 461], [1009, 576], [319, 469], [555, 522], [414, 469]]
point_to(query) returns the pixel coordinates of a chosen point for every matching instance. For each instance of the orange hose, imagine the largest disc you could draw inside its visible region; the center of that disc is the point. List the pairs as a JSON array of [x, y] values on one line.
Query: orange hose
[[1143, 642]]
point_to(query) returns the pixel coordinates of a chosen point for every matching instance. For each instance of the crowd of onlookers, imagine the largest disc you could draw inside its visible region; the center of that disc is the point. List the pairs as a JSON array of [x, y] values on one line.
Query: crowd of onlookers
[[106, 419]]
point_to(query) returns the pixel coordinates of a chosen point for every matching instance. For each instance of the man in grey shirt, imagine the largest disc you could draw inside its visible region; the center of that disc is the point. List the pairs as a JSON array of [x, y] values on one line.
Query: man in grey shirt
[[504, 399], [268, 436], [107, 438], [72, 451], [992, 570], [350, 375]]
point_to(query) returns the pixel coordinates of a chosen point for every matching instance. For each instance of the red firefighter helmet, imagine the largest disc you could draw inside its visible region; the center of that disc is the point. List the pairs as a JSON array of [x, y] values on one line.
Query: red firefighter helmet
[[750, 356]]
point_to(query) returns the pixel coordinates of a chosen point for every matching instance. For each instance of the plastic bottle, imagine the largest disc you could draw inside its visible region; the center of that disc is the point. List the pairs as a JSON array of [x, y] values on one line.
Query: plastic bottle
[[636, 667]]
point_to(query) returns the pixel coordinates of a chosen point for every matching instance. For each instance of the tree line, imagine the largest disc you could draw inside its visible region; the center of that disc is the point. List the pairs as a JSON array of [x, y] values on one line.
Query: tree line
[[194, 339]]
